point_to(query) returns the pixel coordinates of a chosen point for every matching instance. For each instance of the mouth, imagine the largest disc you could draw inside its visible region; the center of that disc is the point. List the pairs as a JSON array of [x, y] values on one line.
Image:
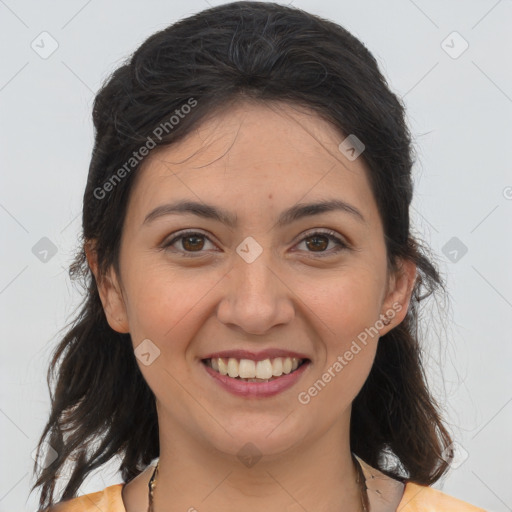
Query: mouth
[[248, 370]]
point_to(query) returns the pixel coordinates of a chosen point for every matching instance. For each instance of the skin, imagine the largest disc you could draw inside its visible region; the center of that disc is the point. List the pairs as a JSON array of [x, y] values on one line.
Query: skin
[[254, 160]]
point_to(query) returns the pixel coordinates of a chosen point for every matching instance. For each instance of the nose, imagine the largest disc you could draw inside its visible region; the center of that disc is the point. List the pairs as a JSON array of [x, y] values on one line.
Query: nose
[[256, 297]]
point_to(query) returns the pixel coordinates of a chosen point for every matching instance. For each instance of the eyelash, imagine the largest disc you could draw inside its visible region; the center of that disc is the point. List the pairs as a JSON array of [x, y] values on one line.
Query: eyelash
[[331, 235]]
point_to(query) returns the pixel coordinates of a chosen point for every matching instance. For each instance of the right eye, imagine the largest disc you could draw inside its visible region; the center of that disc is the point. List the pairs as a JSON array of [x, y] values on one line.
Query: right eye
[[191, 242]]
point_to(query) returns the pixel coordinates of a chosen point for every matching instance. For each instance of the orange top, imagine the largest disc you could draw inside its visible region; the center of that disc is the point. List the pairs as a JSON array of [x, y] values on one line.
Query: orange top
[[385, 494], [416, 498]]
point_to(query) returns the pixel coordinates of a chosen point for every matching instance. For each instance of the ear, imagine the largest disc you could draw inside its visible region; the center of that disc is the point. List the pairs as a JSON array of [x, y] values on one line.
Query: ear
[[398, 295], [109, 291]]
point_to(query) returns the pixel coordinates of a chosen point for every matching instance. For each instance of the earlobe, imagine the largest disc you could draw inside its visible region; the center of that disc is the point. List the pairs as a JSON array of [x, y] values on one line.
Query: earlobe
[[396, 303], [109, 291]]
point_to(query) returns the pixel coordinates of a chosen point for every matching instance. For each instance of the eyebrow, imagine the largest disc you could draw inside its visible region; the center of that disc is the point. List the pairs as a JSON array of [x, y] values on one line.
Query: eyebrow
[[288, 216]]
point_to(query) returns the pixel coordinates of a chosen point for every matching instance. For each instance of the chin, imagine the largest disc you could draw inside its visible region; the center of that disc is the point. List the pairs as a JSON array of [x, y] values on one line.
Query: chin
[[254, 435]]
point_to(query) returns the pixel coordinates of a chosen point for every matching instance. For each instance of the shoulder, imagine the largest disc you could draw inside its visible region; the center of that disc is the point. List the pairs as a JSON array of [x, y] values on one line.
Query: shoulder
[[107, 500], [390, 493], [421, 498]]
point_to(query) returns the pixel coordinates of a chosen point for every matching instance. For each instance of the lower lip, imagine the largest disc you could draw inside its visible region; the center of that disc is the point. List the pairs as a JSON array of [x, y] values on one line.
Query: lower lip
[[257, 389]]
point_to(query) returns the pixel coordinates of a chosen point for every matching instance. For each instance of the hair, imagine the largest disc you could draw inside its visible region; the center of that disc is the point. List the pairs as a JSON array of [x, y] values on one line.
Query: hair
[[261, 52]]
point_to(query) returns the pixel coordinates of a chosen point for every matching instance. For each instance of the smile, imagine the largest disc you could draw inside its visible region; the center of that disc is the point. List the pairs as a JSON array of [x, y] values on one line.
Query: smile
[[254, 371], [255, 379]]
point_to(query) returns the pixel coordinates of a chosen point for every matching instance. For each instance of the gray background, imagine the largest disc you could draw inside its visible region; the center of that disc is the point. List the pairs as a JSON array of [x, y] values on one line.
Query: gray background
[[460, 112]]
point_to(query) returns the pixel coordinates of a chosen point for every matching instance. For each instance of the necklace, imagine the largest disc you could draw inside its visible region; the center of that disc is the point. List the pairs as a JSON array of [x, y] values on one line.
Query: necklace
[[361, 481]]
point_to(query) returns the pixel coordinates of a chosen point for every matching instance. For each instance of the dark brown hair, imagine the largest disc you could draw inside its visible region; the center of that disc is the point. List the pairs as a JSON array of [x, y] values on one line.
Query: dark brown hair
[[102, 406]]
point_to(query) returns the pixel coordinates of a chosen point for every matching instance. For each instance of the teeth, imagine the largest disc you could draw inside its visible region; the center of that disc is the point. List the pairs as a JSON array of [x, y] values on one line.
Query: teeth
[[232, 367], [223, 367], [254, 371], [277, 366], [263, 369], [246, 369]]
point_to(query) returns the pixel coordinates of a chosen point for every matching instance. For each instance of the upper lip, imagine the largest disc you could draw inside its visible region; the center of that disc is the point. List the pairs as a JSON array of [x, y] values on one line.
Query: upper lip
[[261, 355]]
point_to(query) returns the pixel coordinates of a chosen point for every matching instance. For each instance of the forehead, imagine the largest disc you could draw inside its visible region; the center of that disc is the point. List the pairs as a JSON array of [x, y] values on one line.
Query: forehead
[[252, 152]]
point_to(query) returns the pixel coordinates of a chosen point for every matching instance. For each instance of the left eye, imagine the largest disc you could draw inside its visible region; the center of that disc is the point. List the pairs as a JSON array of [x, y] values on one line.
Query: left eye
[[193, 242], [320, 240]]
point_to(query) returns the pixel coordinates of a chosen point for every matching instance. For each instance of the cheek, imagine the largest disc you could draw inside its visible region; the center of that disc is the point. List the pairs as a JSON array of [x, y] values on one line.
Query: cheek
[[165, 309], [347, 309], [164, 305], [345, 304]]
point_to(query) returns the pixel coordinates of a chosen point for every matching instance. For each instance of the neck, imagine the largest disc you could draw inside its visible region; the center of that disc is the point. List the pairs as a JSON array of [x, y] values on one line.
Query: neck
[[319, 476]]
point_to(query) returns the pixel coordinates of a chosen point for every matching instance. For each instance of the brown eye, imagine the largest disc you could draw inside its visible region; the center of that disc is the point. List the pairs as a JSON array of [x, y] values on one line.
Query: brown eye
[[192, 244], [318, 242]]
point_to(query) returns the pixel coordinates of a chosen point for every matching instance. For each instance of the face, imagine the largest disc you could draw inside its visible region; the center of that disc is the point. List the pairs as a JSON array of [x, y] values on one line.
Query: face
[[262, 279]]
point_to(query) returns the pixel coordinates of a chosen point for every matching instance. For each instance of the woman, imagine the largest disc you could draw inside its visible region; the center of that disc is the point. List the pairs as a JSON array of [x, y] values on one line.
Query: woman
[[252, 282]]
